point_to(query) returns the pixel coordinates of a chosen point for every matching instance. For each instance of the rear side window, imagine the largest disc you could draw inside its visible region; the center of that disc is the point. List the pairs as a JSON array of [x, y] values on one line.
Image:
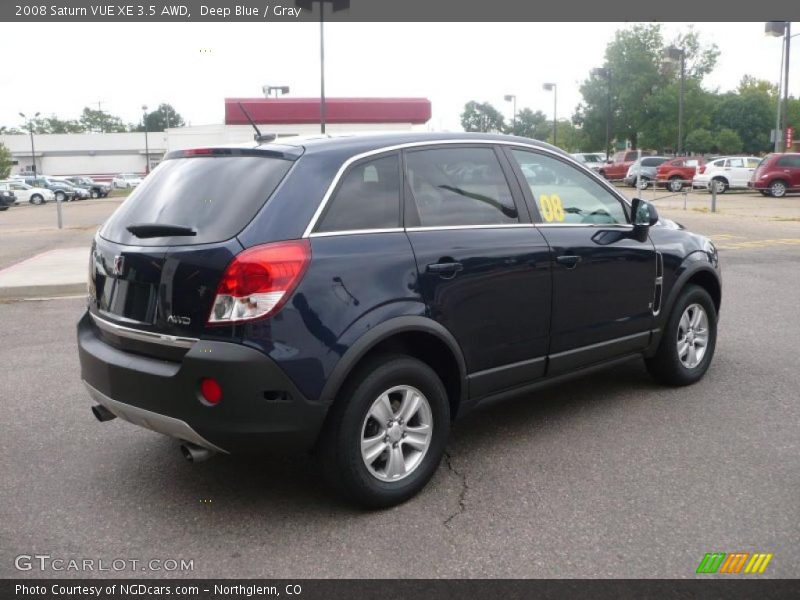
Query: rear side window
[[737, 163], [789, 161], [368, 197], [459, 186], [632, 156], [652, 162], [217, 196]]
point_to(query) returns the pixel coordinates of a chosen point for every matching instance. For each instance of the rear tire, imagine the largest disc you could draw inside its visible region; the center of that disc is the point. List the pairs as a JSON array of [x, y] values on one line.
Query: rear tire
[[95, 194], [675, 184], [693, 319], [721, 185], [778, 188], [61, 197], [360, 414]]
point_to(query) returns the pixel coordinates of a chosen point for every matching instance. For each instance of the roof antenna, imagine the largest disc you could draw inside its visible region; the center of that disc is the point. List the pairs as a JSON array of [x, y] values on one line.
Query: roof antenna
[[259, 137]]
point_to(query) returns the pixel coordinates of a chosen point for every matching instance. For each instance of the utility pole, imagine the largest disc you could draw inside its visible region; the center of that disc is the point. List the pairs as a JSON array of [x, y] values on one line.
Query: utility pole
[[337, 6]]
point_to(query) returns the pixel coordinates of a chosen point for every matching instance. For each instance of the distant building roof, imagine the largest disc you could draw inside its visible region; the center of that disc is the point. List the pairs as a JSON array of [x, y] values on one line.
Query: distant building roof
[[338, 110]]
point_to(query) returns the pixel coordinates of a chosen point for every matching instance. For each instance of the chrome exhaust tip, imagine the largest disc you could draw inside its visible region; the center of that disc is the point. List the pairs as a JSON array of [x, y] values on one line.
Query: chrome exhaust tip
[[194, 453]]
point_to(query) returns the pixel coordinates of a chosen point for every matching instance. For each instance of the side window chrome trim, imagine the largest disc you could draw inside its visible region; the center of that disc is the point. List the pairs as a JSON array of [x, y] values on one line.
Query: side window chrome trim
[[484, 226], [595, 225], [329, 192], [355, 232]]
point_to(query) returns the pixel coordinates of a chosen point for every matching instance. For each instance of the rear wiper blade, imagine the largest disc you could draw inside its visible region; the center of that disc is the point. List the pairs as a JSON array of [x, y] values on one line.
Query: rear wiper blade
[[151, 230]]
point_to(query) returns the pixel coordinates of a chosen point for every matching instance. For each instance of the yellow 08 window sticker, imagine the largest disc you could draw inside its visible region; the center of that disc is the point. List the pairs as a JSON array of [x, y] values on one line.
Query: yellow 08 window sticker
[[552, 209]]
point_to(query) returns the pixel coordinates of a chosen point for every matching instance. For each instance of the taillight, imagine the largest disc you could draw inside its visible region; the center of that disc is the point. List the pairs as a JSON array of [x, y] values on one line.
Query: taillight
[[701, 169], [259, 280]]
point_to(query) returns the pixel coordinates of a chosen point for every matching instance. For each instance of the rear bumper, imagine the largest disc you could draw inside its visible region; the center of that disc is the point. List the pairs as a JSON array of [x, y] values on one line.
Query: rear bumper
[[758, 185], [261, 409]]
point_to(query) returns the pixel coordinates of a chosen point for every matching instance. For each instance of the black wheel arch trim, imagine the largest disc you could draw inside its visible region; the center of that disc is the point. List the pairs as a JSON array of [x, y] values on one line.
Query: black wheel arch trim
[[693, 264], [382, 332]]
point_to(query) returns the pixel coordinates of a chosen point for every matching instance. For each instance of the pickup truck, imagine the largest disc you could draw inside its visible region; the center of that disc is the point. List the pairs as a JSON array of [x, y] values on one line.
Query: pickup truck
[[617, 167]]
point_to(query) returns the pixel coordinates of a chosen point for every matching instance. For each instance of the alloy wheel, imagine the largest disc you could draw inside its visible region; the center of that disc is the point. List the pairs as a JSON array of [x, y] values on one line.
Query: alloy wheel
[[692, 336], [396, 433]]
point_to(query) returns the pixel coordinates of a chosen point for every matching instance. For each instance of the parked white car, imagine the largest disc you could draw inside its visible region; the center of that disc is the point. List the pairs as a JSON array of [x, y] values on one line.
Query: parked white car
[[126, 180], [590, 160], [729, 172], [27, 193]]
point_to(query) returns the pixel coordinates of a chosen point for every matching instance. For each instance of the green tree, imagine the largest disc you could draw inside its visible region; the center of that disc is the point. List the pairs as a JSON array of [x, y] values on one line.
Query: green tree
[[530, 124], [6, 162], [56, 125], [101, 122], [634, 59], [699, 141], [161, 118], [750, 113], [53, 124], [5, 130], [481, 116], [728, 142]]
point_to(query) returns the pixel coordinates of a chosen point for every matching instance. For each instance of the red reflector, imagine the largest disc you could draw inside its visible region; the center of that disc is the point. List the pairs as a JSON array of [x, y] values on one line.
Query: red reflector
[[701, 170], [211, 391]]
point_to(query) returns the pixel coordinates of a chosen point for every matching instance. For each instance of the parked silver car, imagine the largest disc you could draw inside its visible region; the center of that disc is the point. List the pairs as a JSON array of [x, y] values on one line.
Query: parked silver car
[[643, 172]]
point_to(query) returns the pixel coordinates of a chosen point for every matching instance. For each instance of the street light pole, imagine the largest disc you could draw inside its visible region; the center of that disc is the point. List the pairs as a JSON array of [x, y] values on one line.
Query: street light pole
[[512, 98], [337, 6], [678, 55], [554, 88], [788, 40], [30, 130], [777, 29], [146, 144], [606, 72]]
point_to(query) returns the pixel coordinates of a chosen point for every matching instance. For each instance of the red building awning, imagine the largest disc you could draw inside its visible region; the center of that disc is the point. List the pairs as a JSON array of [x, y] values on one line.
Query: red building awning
[[292, 111]]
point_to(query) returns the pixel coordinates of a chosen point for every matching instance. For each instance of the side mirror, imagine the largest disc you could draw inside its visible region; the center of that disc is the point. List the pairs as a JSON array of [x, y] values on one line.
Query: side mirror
[[643, 214]]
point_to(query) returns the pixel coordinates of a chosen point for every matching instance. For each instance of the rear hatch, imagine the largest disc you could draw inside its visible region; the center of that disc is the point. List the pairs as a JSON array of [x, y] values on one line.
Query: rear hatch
[[761, 168], [157, 261]]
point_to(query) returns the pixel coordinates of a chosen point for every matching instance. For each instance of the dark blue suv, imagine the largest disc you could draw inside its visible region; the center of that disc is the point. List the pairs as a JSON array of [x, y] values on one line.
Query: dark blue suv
[[353, 295]]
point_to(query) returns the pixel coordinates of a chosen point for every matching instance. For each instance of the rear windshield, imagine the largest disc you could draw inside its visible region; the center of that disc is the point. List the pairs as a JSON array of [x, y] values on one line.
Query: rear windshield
[[216, 196]]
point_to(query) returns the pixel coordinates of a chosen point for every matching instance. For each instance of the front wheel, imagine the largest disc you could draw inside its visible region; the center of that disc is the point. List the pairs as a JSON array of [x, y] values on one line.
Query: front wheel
[[36, 199], [387, 431], [689, 339], [95, 194], [642, 183], [61, 197]]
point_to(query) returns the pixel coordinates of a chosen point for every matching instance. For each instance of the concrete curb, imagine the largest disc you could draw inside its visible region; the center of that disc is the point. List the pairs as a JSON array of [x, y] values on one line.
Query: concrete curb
[[58, 272], [42, 291]]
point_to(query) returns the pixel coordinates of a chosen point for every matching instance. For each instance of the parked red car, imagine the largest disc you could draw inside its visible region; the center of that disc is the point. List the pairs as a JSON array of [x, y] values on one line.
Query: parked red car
[[777, 174], [678, 172], [618, 166]]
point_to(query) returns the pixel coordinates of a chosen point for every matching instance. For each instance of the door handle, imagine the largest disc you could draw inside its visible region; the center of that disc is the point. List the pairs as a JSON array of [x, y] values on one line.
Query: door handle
[[568, 260], [445, 269]]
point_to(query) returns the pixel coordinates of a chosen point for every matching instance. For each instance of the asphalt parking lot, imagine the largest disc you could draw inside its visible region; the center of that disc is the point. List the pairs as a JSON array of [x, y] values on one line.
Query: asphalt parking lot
[[607, 476]]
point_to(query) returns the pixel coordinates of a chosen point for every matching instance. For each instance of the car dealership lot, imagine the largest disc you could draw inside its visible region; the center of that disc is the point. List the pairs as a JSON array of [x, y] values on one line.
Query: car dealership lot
[[607, 476]]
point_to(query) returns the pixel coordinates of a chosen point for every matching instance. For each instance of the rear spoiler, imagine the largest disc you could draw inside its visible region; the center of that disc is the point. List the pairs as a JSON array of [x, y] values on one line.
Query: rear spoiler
[[276, 151]]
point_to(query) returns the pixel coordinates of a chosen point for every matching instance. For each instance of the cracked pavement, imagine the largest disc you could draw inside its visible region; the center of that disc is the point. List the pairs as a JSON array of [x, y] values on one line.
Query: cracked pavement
[[606, 476]]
